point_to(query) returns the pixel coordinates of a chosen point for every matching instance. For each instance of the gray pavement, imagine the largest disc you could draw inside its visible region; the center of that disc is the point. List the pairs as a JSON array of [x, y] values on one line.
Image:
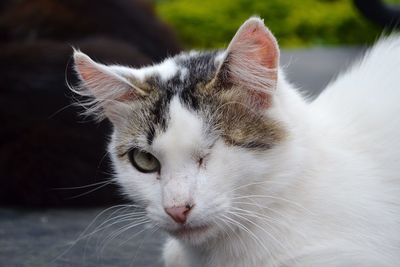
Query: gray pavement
[[312, 69], [75, 238], [67, 237]]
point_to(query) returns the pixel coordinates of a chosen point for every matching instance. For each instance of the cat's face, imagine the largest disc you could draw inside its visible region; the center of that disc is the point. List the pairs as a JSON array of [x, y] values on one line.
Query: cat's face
[[194, 135]]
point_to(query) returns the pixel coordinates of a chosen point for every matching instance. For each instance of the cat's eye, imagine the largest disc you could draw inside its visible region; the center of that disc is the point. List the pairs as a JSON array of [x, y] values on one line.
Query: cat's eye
[[144, 161]]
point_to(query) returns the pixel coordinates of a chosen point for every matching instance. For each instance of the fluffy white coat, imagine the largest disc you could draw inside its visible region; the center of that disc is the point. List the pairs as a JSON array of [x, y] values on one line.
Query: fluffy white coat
[[327, 195], [343, 154]]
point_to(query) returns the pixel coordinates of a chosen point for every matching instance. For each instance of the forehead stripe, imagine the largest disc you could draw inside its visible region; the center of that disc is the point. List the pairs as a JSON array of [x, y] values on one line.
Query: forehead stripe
[[221, 108]]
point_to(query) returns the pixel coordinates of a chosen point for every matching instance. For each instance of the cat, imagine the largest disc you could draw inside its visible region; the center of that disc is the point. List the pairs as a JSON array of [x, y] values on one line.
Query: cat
[[240, 169]]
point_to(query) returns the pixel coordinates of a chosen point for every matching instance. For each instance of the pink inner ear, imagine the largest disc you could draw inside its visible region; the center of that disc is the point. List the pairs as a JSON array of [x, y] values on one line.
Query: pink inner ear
[[256, 43], [252, 62], [86, 71], [102, 82], [96, 74]]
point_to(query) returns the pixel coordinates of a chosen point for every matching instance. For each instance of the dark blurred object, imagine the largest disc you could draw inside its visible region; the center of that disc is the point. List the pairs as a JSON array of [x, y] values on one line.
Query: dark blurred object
[[385, 15], [44, 144], [132, 21]]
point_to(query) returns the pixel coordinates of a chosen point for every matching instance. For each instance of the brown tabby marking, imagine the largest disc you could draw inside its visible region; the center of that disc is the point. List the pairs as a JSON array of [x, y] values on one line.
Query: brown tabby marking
[[229, 109]]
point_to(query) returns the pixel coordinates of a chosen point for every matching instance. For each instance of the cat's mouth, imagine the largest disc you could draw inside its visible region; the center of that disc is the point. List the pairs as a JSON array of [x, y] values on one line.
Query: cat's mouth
[[186, 230]]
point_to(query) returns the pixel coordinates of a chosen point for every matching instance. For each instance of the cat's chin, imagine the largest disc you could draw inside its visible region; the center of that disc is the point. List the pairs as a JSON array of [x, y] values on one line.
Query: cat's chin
[[193, 234]]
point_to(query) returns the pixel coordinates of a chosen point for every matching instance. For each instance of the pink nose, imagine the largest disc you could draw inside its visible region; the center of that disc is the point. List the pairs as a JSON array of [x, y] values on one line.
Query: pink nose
[[179, 214]]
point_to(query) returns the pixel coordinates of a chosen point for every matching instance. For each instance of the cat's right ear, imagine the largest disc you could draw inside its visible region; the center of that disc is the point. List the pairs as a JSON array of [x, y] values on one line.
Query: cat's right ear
[[107, 88]]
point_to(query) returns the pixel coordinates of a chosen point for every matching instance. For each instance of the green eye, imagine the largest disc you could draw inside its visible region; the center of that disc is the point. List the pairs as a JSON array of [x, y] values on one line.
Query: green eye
[[143, 161]]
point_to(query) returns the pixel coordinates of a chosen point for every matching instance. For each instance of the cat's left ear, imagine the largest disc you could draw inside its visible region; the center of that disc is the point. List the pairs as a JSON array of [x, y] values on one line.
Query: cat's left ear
[[251, 62]]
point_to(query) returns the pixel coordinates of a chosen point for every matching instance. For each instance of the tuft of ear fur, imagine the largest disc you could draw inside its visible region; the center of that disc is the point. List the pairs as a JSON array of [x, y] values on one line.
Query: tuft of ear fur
[[251, 61], [105, 87]]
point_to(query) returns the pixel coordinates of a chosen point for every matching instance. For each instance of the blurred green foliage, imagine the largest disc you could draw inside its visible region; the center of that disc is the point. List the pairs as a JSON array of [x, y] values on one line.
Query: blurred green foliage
[[296, 23]]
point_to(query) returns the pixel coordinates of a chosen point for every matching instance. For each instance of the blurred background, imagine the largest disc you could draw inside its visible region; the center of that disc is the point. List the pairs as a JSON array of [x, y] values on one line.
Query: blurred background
[[295, 23], [50, 157]]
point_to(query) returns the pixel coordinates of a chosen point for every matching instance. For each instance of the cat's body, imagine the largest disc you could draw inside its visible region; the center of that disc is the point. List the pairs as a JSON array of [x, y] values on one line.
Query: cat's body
[[244, 171], [344, 209]]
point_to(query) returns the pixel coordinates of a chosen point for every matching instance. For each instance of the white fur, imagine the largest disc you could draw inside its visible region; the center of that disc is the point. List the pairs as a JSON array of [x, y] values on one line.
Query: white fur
[[219, 59], [184, 74], [328, 195], [174, 148], [166, 70]]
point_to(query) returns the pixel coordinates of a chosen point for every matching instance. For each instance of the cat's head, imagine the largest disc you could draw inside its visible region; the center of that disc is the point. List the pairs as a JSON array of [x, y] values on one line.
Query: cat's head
[[197, 134]]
